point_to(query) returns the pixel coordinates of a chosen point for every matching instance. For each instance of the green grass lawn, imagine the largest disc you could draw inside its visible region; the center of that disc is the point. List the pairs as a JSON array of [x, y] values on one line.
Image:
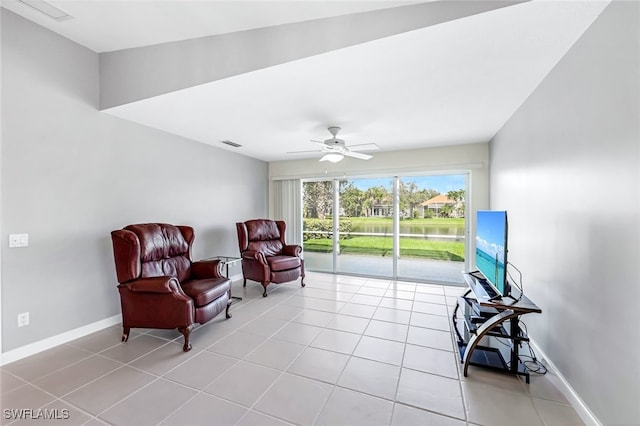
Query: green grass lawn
[[382, 246]]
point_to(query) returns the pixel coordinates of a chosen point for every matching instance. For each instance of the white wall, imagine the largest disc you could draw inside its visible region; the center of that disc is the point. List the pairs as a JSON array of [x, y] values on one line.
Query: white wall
[[1, 247], [71, 174], [566, 167]]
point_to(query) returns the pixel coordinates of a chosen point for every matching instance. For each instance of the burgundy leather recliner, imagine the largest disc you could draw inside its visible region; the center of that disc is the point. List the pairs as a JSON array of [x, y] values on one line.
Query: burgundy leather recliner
[[160, 287], [266, 257]]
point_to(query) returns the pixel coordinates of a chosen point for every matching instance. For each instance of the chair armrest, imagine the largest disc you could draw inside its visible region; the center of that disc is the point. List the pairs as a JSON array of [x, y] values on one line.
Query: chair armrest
[[207, 269], [292, 250], [155, 285], [254, 255]]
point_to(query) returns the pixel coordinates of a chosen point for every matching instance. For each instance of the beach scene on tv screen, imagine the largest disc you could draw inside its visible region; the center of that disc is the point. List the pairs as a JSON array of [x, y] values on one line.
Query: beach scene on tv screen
[[490, 250]]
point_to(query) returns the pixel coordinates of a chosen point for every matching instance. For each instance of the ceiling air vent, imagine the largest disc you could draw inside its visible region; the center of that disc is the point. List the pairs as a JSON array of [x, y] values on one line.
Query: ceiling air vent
[[233, 144], [48, 9]]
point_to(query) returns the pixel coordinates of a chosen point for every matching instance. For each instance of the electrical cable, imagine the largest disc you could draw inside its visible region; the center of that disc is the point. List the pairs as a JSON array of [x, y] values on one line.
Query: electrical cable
[[521, 286], [533, 366], [531, 362]]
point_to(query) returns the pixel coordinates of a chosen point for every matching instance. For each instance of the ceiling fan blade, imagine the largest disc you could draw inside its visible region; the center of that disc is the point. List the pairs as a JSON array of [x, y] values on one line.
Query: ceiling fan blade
[[357, 155], [336, 149], [363, 147], [305, 152]]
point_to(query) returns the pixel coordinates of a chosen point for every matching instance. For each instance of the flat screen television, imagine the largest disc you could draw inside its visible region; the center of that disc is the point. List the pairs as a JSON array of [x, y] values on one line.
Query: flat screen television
[[491, 248]]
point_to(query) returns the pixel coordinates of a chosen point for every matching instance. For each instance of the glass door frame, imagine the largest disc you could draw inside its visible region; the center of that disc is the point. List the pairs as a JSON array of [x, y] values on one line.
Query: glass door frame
[[336, 224], [396, 216], [396, 226]]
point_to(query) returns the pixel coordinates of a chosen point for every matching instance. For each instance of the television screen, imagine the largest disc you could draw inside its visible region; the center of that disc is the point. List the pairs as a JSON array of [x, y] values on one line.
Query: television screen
[[491, 248]]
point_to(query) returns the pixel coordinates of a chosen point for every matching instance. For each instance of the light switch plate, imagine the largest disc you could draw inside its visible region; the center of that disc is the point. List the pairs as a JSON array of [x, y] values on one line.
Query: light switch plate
[[23, 319], [18, 240]]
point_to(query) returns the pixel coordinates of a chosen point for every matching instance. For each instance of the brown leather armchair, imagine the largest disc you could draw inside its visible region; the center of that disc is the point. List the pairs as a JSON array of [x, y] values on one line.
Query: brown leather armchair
[[266, 257], [160, 287]]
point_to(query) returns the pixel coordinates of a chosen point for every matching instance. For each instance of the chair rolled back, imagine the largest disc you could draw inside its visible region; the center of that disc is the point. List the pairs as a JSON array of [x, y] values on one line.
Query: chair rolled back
[[263, 235], [152, 250]]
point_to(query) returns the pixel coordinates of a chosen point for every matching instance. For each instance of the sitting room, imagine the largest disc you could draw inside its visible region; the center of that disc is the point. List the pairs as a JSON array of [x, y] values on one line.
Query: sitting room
[[166, 261]]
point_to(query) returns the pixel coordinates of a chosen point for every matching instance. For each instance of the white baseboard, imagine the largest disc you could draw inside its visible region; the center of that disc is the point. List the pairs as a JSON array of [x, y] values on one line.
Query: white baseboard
[[560, 382], [556, 378], [50, 342]]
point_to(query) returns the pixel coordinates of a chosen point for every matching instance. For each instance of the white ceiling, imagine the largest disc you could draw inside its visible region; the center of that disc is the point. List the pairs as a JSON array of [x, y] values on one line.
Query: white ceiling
[[452, 83], [108, 25]]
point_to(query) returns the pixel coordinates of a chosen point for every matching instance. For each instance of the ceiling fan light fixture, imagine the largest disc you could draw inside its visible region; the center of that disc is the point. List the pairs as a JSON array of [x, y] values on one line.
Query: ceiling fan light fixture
[[332, 157]]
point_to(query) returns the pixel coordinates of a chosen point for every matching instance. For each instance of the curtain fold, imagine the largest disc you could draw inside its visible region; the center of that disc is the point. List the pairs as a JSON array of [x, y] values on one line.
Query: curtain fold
[[287, 206]]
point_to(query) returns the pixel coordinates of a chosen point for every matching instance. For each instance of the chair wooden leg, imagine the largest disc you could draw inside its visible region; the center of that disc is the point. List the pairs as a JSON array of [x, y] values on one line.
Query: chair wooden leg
[[302, 281], [186, 332], [244, 283], [265, 289], [125, 333], [226, 313]]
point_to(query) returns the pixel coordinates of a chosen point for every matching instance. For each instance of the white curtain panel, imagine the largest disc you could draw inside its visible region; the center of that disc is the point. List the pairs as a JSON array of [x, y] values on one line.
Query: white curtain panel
[[288, 207]]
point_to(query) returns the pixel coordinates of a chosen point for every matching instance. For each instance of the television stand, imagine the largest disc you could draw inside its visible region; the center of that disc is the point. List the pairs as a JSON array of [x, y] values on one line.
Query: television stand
[[487, 323], [499, 298]]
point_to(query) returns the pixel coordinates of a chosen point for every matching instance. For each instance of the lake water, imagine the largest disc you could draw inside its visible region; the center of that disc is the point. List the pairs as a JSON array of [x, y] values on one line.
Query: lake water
[[415, 229]]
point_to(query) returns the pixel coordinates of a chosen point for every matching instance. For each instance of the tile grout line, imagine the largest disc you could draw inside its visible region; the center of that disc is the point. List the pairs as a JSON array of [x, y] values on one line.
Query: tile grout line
[[281, 299], [350, 356]]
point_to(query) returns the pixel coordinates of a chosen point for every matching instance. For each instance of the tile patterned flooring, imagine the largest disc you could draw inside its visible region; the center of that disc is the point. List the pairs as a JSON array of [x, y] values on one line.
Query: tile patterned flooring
[[341, 351]]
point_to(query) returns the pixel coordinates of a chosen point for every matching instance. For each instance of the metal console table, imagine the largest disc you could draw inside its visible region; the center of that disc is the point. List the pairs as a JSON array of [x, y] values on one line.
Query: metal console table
[[485, 319], [226, 261]]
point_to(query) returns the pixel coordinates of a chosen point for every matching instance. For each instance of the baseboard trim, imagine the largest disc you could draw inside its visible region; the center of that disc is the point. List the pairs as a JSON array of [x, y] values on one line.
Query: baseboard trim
[[50, 342], [33, 348], [563, 385]]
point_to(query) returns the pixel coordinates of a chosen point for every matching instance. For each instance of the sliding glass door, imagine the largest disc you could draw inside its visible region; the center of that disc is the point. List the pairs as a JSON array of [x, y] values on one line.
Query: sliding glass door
[[366, 227], [432, 228], [317, 225], [410, 227]]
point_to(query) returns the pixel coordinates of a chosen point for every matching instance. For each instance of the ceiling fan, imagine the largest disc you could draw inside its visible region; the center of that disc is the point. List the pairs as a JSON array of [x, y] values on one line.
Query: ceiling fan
[[336, 149]]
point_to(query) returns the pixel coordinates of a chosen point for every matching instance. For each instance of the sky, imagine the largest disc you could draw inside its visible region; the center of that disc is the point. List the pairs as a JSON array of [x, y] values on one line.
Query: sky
[[441, 183], [491, 232]]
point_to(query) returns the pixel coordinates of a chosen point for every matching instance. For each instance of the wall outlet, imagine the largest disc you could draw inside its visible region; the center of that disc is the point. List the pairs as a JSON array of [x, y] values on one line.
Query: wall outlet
[[18, 240], [23, 319]]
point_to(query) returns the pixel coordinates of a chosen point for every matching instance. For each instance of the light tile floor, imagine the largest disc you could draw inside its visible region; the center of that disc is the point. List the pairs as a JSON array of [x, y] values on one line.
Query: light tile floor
[[341, 351]]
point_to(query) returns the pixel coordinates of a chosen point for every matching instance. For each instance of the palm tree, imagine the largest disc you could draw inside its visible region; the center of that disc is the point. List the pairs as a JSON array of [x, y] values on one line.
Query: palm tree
[[317, 199], [409, 197], [458, 200], [373, 196], [446, 210]]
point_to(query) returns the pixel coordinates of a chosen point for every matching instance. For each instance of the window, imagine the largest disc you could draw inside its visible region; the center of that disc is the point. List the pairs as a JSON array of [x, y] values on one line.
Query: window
[[409, 227]]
